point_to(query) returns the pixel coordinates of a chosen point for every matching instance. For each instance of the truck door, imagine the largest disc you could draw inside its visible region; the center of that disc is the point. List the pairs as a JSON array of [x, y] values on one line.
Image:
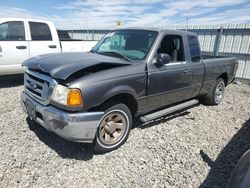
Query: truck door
[[14, 48], [169, 83], [42, 41], [196, 66]]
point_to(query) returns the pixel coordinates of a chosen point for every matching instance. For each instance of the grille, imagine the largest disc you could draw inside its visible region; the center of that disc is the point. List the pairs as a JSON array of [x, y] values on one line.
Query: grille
[[39, 86]]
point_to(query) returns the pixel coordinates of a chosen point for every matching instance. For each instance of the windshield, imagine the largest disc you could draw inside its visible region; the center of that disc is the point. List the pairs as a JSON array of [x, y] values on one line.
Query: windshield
[[131, 44]]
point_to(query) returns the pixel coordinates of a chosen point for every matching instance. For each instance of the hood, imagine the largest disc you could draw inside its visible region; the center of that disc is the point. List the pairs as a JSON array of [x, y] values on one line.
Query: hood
[[63, 65]]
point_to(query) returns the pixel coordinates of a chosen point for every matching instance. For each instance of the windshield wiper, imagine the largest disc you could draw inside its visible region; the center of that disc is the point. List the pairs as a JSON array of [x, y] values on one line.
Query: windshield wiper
[[115, 54], [93, 51]]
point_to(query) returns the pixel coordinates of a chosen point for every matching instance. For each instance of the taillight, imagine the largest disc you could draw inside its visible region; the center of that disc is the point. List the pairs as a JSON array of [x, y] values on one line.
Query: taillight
[[236, 68]]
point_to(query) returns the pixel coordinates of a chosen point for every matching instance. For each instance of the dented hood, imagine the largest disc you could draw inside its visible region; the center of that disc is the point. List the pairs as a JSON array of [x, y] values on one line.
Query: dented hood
[[62, 65]]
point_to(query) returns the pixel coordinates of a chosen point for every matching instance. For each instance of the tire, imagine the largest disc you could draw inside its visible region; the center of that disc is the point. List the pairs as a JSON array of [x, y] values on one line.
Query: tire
[[114, 128], [216, 93]]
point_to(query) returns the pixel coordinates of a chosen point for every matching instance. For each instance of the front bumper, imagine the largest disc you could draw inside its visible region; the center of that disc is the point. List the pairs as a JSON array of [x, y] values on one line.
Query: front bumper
[[77, 127]]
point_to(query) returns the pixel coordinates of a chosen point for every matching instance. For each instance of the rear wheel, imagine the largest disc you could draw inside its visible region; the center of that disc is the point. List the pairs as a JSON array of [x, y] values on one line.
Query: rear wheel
[[114, 128], [216, 94]]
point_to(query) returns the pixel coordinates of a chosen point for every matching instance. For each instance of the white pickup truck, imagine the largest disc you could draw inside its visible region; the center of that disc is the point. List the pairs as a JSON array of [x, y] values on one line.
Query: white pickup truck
[[21, 39]]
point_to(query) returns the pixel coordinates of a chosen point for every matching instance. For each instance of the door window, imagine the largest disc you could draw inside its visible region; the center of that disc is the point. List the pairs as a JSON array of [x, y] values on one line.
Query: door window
[[12, 31], [173, 46], [194, 49], [40, 31]]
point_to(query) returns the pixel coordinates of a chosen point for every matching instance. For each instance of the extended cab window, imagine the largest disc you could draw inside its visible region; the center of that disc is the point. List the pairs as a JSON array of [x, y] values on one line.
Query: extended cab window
[[194, 48], [173, 46], [12, 31], [40, 31]]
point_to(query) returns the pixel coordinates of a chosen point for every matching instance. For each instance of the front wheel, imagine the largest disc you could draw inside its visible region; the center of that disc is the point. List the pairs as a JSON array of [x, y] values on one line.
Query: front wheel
[[114, 128], [216, 94]]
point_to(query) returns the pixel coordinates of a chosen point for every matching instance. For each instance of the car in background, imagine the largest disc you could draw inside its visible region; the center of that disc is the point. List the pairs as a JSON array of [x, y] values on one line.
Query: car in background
[[21, 39]]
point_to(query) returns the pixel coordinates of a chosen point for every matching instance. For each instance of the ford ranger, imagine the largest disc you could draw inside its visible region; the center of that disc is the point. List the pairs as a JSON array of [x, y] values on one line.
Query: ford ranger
[[147, 73]]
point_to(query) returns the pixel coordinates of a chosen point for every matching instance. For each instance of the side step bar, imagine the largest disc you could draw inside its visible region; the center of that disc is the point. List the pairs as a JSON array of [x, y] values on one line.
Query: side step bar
[[169, 110]]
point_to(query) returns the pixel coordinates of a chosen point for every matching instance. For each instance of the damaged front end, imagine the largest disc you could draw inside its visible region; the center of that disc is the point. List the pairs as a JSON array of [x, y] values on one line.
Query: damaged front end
[[92, 69], [64, 66]]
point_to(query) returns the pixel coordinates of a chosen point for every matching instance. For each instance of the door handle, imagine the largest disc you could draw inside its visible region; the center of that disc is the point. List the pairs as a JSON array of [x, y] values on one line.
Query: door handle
[[186, 71], [52, 46], [21, 47], [1, 49]]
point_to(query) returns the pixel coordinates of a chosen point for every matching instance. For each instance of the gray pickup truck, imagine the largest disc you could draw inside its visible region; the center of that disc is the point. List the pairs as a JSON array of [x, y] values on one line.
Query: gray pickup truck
[[93, 97]]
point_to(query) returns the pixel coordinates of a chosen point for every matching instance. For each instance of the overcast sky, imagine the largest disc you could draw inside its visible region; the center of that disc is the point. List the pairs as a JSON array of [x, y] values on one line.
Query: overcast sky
[[80, 14]]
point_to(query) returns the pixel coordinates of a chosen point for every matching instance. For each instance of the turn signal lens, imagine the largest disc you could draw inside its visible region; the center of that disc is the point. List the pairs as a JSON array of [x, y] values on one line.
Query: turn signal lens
[[74, 97]]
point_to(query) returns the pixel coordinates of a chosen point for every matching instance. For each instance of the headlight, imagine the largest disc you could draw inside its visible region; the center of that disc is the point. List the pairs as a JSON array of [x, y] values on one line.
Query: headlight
[[67, 97]]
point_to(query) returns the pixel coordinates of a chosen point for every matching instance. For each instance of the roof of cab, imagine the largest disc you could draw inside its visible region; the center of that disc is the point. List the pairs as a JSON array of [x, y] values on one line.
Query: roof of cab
[[23, 19], [181, 32]]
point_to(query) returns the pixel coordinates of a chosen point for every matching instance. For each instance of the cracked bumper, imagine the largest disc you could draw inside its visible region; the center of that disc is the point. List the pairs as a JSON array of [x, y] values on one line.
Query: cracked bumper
[[77, 127]]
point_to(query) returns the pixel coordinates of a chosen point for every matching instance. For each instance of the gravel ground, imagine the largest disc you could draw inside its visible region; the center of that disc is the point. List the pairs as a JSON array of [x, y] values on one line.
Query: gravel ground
[[197, 147]]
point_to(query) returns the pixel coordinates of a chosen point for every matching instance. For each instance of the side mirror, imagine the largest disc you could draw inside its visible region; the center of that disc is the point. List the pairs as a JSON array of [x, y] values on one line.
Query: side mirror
[[162, 59]]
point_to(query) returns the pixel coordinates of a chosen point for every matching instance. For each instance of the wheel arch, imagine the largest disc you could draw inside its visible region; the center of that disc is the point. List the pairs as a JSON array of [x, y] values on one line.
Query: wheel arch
[[224, 76], [118, 95]]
